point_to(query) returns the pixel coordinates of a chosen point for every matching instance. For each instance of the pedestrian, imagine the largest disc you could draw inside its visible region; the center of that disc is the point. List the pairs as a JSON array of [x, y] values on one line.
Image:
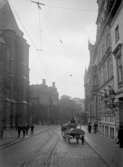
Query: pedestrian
[[24, 130], [120, 136], [27, 129], [73, 121], [32, 129], [18, 130], [77, 138], [82, 139], [2, 128], [95, 126], [89, 127]]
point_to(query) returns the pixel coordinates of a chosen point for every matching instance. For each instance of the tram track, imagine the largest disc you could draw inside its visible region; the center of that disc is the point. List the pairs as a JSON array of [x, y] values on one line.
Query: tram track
[[45, 161], [52, 152], [19, 140], [98, 154], [48, 150]]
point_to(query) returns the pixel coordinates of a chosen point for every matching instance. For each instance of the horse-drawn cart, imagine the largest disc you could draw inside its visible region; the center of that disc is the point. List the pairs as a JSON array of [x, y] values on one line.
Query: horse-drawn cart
[[71, 132]]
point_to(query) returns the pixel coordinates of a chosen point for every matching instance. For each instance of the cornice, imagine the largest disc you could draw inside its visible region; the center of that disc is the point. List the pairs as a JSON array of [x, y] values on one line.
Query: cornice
[[117, 47], [108, 20], [106, 55]]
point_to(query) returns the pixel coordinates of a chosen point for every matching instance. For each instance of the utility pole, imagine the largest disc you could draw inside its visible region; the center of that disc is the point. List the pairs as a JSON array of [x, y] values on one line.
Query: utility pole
[[39, 4]]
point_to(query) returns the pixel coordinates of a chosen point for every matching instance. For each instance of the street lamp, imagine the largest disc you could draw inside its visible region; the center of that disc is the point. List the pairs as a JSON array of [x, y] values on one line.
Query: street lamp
[[116, 106], [110, 99], [108, 96]]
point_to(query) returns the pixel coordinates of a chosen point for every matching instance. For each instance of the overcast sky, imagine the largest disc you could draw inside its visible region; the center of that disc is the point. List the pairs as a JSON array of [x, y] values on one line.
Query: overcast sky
[[58, 35]]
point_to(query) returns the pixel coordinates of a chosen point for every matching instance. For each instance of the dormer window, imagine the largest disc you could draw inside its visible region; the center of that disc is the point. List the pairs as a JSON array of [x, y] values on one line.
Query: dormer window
[[117, 36]]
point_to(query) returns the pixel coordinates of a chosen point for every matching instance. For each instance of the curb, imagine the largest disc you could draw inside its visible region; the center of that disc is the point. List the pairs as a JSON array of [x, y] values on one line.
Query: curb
[[18, 140], [93, 146]]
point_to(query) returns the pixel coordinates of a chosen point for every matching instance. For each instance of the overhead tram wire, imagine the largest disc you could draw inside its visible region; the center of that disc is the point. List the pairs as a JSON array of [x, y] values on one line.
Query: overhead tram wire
[[39, 27], [23, 26], [65, 8], [30, 38], [39, 5], [73, 9]]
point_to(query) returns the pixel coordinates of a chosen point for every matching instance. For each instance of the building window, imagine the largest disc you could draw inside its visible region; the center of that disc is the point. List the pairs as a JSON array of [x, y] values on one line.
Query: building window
[[103, 50], [119, 68], [105, 72], [108, 41], [111, 132], [110, 67], [117, 36]]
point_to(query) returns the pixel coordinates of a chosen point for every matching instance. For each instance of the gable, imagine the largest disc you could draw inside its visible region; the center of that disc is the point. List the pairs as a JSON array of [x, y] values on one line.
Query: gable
[[7, 19]]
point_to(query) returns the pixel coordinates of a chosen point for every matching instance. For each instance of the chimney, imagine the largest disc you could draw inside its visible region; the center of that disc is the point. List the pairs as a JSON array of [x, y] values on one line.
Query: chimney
[[44, 81], [53, 84]]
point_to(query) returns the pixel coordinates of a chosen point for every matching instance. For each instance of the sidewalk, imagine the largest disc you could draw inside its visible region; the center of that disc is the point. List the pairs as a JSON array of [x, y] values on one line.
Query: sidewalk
[[108, 150], [10, 136]]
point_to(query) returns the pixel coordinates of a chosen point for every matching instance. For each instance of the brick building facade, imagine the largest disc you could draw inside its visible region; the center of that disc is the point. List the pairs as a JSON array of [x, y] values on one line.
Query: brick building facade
[[46, 99], [102, 70]]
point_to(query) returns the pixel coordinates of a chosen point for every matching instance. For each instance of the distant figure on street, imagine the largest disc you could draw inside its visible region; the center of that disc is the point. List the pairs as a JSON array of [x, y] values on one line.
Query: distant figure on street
[[89, 127], [2, 133], [32, 129], [120, 136], [73, 120], [82, 139], [2, 130], [27, 129], [24, 131], [18, 130], [77, 138], [95, 126]]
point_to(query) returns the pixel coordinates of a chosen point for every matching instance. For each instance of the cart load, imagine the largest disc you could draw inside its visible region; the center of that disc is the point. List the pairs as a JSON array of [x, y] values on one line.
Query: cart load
[[76, 131], [68, 126], [70, 131], [77, 134]]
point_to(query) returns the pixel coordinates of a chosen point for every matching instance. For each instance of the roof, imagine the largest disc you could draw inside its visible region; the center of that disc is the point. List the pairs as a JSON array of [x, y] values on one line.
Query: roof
[[7, 19]]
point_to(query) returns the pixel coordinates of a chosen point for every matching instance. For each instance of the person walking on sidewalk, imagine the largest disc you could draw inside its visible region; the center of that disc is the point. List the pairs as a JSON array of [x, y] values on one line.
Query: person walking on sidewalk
[[89, 127], [24, 130], [27, 129], [2, 129], [18, 130], [32, 129], [77, 138], [82, 139], [95, 126], [120, 136]]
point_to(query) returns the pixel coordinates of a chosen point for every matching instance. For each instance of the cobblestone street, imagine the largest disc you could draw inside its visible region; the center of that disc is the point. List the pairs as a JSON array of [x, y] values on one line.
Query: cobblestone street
[[73, 155], [48, 149]]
